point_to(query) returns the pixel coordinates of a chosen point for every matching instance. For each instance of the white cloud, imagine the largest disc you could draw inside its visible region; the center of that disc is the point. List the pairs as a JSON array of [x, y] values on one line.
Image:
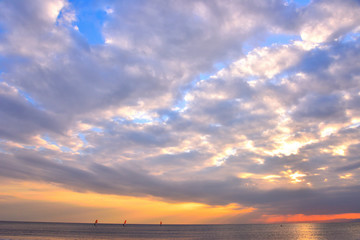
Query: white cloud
[[265, 62], [329, 20], [261, 115]]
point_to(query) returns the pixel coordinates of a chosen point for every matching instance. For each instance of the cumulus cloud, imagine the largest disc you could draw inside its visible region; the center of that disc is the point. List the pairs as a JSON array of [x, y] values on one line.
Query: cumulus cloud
[[150, 112], [329, 20]]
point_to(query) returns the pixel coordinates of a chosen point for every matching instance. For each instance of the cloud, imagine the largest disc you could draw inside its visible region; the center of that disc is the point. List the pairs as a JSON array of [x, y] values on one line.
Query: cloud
[[320, 107], [329, 20], [132, 180], [149, 112], [20, 119], [349, 167]]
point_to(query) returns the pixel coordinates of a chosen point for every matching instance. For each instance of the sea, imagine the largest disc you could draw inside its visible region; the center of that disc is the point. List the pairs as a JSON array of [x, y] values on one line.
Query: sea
[[72, 231]]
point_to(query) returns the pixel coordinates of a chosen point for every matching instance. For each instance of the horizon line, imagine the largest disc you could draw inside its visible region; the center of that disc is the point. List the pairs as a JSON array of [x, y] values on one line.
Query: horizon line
[[108, 223]]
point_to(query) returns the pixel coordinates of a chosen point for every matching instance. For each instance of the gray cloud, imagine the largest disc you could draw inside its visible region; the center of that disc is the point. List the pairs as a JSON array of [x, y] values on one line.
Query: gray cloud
[[275, 129], [349, 167], [323, 107], [133, 180], [20, 119]]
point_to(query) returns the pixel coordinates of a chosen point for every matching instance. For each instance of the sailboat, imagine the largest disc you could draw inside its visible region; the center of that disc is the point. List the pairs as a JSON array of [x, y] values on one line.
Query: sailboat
[[95, 223], [124, 223], [160, 223]]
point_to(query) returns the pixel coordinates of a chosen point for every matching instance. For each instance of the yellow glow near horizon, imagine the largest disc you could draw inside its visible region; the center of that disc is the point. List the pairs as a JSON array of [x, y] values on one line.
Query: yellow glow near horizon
[[114, 208]]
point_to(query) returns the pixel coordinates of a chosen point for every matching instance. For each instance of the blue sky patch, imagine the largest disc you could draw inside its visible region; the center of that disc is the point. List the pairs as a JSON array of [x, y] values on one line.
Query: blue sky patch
[[119, 120], [2, 30], [83, 138], [302, 3], [180, 105], [96, 129], [30, 99], [350, 37], [165, 118], [90, 20], [141, 120], [280, 39], [66, 149], [204, 76], [218, 66], [49, 140], [299, 3], [2, 68]]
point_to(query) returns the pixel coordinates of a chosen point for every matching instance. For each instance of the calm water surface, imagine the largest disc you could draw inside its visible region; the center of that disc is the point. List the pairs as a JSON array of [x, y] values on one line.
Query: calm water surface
[[72, 231]]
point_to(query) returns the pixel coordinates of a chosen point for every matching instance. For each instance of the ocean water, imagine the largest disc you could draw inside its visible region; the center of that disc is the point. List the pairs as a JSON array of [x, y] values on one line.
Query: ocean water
[[72, 231]]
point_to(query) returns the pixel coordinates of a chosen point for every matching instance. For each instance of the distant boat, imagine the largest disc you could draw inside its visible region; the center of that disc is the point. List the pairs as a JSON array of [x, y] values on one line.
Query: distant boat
[[95, 223], [160, 223], [124, 223]]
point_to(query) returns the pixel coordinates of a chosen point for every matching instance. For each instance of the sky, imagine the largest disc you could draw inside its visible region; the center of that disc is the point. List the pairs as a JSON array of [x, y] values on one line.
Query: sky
[[182, 111]]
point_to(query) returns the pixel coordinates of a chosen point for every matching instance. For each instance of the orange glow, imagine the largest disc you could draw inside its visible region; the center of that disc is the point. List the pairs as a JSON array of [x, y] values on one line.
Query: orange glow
[[114, 208], [308, 218]]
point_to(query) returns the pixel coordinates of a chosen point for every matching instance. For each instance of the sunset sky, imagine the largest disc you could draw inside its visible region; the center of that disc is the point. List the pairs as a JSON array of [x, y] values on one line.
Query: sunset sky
[[181, 111]]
